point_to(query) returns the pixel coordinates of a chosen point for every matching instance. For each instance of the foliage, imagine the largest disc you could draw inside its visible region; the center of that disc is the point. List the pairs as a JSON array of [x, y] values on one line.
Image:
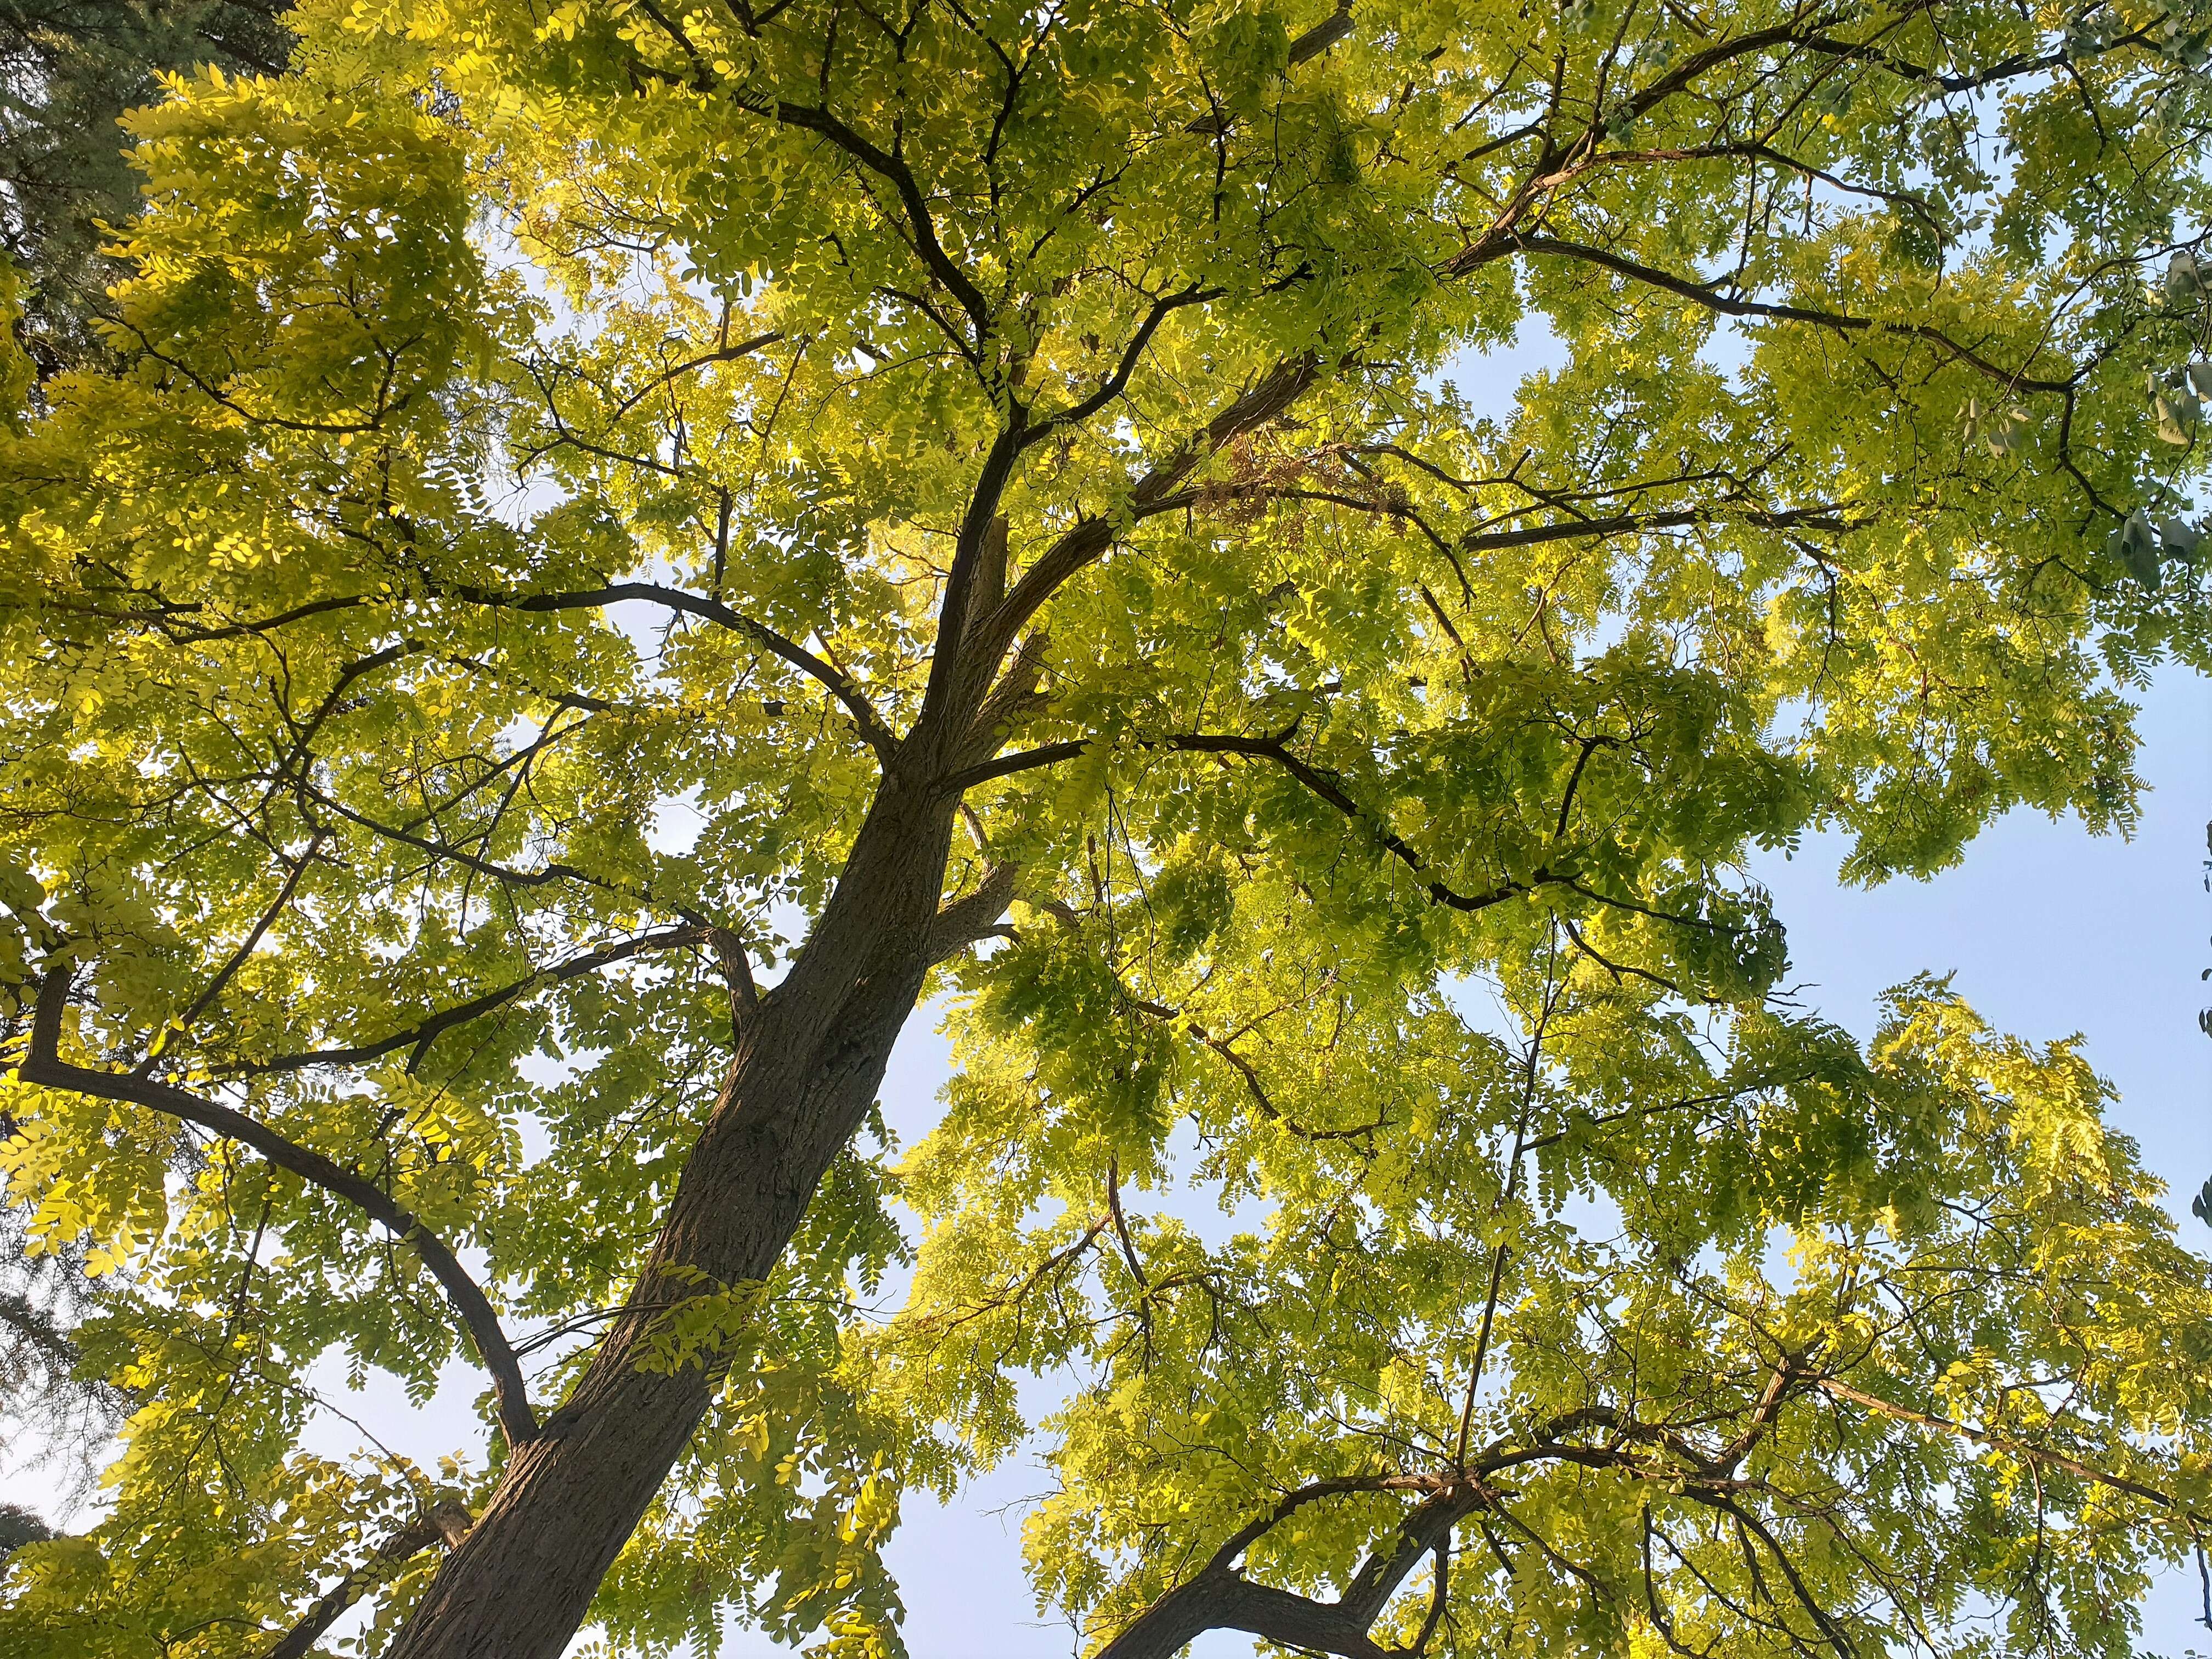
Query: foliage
[[1713, 1278], [588, 493]]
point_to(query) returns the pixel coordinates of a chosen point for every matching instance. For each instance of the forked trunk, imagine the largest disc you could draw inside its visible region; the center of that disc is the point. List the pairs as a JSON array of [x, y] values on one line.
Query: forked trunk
[[807, 1069]]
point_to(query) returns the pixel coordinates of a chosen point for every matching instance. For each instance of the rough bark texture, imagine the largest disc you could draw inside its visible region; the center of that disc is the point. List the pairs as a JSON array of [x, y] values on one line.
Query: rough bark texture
[[807, 1069], [1219, 1597], [1226, 1601]]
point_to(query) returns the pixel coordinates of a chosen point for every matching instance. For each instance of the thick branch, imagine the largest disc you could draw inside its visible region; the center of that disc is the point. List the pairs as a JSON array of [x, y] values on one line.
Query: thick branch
[[979, 547], [878, 735], [43, 1066], [446, 1523], [1322, 36], [1428, 1528], [965, 921], [1088, 541], [1218, 1597], [1297, 1621], [1680, 78], [476, 1007], [1569, 529]]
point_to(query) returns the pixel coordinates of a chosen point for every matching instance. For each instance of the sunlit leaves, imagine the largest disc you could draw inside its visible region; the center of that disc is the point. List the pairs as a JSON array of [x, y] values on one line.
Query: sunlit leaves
[[479, 619]]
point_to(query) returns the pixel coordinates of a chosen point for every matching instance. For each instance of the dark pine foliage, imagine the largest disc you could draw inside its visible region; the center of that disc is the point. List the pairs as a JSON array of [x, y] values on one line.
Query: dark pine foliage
[[68, 71]]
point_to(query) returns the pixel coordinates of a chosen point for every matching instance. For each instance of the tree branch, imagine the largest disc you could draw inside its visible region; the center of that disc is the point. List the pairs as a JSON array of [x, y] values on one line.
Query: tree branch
[[878, 735], [461, 1013], [1267, 749], [728, 354], [1306, 48], [979, 547], [1220, 1598], [237, 958], [1322, 36], [1243, 1067], [446, 1523], [2020, 1449], [1703, 294], [1261, 403], [967, 920], [1132, 354], [42, 1064], [895, 171]]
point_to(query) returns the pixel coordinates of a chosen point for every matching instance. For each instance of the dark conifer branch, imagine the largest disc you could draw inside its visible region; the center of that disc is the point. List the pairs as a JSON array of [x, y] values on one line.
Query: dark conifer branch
[[446, 1523]]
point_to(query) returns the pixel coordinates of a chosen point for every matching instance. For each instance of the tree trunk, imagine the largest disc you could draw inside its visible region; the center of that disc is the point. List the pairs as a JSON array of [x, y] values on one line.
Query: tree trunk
[[808, 1065]]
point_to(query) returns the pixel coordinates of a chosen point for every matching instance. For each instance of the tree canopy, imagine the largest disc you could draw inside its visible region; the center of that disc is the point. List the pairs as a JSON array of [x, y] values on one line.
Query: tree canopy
[[619, 547]]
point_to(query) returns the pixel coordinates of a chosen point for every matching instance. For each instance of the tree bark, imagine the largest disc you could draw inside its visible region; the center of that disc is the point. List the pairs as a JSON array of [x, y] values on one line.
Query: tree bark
[[1224, 1600], [808, 1065], [1219, 1597]]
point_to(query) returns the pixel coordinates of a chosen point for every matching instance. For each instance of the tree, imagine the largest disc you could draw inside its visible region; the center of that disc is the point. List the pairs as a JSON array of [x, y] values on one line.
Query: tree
[[71, 69], [633, 544]]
